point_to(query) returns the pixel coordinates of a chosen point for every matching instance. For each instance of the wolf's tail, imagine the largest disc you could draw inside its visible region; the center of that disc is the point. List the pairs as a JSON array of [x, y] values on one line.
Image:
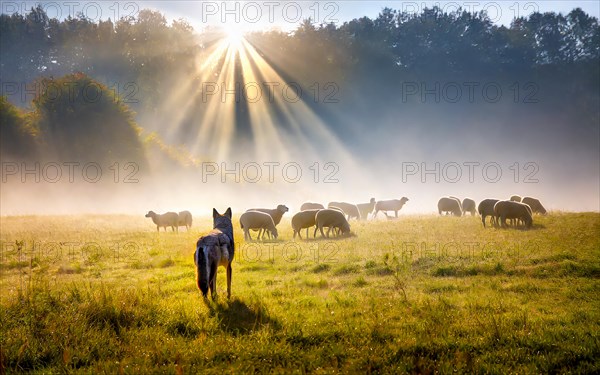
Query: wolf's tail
[[201, 261]]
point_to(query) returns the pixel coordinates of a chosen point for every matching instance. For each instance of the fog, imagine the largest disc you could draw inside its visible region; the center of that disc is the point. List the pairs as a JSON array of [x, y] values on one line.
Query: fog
[[325, 113]]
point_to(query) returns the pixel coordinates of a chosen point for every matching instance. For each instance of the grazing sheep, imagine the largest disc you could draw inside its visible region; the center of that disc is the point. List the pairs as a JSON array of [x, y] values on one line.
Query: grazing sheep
[[332, 219], [276, 213], [515, 198], [311, 206], [366, 208], [512, 210], [169, 219], [486, 208], [469, 205], [348, 208], [389, 205], [450, 205], [459, 203], [304, 219], [258, 221], [185, 219], [535, 205]]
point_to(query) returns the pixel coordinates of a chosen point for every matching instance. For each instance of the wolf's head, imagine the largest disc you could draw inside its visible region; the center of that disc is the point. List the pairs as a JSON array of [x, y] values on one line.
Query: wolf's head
[[222, 221]]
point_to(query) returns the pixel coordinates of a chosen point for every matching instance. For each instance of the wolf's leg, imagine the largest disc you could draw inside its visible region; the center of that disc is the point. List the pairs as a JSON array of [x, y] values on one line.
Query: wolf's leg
[[229, 272], [212, 283]]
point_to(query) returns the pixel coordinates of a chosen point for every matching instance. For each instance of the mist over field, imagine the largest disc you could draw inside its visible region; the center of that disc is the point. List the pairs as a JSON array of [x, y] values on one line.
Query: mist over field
[[420, 105], [156, 158]]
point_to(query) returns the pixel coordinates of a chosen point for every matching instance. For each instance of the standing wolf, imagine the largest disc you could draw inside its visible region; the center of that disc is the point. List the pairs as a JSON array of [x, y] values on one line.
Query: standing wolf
[[214, 250]]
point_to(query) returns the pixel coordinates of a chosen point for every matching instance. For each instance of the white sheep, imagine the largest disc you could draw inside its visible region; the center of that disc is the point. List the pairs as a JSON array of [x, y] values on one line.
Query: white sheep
[[332, 219], [276, 213], [257, 220], [449, 204], [366, 208], [535, 205], [389, 205], [486, 208], [311, 206], [469, 205], [185, 219], [169, 219], [303, 219], [349, 209], [512, 210]]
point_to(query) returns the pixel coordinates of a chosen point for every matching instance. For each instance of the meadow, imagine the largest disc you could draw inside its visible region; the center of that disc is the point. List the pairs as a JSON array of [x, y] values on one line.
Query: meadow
[[421, 294]]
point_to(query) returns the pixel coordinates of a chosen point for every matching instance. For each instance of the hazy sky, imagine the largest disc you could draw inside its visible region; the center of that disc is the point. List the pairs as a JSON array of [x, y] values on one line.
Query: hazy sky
[[287, 14]]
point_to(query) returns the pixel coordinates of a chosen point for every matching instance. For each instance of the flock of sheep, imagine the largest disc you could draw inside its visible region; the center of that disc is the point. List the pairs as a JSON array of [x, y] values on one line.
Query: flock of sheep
[[518, 210], [337, 215]]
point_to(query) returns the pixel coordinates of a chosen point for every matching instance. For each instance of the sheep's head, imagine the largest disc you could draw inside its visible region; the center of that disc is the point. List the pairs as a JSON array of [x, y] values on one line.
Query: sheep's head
[[404, 199], [282, 208], [528, 221], [275, 233], [372, 200], [345, 228], [150, 214]]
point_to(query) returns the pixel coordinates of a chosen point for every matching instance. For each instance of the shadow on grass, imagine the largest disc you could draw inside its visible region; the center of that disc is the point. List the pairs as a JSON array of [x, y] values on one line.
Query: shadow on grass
[[238, 318]]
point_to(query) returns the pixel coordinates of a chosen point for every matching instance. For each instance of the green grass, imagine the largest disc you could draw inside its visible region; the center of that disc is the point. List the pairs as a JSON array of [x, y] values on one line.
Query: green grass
[[420, 294]]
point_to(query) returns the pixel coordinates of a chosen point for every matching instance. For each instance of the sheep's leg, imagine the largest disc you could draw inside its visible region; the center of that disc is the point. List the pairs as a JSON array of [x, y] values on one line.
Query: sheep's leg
[[157, 228], [322, 233], [483, 220], [229, 273], [328, 230]]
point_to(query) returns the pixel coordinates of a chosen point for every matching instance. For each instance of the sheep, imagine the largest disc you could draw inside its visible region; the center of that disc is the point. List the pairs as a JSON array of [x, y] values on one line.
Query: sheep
[[311, 206], [515, 198], [459, 203], [389, 205], [333, 219], [349, 209], [447, 204], [169, 219], [512, 210], [366, 208], [486, 208], [257, 220], [185, 219], [303, 219], [469, 205], [276, 213], [535, 205]]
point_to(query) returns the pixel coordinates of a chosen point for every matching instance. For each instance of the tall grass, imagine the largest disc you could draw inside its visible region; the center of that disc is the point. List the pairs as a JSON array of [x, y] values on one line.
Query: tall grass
[[420, 294]]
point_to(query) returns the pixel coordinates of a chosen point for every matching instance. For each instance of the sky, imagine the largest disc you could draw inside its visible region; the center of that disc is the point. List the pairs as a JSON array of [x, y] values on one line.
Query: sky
[[286, 15]]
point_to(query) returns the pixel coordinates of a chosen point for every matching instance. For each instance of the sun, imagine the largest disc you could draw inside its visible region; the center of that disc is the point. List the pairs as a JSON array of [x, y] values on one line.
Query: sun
[[234, 35]]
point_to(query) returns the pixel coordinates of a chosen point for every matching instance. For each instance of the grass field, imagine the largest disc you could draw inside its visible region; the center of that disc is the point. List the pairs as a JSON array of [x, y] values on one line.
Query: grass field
[[107, 294]]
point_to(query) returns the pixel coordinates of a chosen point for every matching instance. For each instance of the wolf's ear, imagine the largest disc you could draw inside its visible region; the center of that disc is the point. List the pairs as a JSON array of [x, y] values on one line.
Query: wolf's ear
[[228, 212], [215, 214]]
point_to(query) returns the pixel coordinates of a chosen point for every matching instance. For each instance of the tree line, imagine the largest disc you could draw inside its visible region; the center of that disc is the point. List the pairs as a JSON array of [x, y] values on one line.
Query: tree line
[[369, 60]]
